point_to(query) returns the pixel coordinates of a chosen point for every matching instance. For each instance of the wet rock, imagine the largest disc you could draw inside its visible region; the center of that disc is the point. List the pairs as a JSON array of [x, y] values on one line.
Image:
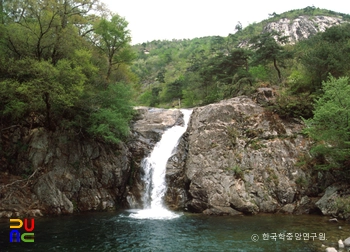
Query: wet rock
[[51, 197], [330, 249], [307, 205], [341, 244], [347, 242], [288, 209], [327, 203], [34, 213], [152, 122], [147, 129], [221, 211]]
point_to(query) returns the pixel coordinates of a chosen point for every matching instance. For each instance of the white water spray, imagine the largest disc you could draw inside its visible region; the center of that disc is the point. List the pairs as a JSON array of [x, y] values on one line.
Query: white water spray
[[155, 167]]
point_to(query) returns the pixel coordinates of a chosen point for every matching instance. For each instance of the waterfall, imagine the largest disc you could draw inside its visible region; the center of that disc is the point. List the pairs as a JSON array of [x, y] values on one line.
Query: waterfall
[[154, 167]]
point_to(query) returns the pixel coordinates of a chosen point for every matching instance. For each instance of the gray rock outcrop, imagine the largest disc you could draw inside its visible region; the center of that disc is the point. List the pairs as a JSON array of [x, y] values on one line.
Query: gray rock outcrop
[[239, 158], [347, 242], [302, 27], [330, 249], [235, 157], [67, 173]]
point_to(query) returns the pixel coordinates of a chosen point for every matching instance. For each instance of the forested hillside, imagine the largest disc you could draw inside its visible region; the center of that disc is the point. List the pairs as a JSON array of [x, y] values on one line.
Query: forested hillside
[[65, 65], [68, 65], [204, 70], [308, 72]]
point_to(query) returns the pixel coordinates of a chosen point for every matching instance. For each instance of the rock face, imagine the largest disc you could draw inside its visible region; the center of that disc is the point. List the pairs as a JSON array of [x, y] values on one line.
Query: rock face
[[66, 174], [236, 157], [239, 158], [302, 27]]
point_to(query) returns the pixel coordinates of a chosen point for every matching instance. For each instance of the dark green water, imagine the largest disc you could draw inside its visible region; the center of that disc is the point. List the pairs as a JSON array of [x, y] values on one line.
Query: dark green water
[[189, 232]]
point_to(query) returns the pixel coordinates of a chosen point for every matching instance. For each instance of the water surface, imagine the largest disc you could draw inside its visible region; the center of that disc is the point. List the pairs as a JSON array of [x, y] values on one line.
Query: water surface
[[119, 231]]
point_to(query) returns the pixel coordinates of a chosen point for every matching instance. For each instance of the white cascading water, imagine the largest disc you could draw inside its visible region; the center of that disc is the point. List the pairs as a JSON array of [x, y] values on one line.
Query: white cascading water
[[155, 167]]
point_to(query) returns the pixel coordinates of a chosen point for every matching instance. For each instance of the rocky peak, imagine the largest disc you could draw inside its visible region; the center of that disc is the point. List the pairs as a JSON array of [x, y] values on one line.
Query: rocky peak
[[302, 27]]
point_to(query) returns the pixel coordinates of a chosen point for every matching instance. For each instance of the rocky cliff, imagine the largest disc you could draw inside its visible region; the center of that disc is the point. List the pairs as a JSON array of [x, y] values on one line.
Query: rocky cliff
[[44, 172], [302, 27], [238, 157], [61, 173]]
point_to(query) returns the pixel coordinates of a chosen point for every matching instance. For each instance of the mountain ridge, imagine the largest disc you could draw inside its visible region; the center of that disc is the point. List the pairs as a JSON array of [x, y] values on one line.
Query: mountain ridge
[[168, 70]]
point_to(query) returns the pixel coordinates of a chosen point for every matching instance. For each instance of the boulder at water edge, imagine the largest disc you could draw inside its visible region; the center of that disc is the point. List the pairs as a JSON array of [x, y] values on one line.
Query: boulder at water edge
[[347, 242], [331, 249]]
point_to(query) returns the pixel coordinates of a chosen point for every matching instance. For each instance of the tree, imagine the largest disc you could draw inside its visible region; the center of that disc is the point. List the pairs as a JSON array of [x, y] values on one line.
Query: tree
[[112, 39], [330, 126], [110, 122], [45, 30], [174, 89], [229, 70], [269, 49], [50, 69], [326, 53], [239, 27]]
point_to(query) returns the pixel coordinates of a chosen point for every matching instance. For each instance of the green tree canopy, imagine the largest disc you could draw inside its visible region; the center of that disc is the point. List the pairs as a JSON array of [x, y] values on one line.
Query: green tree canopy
[[330, 126], [54, 63], [326, 53], [268, 48], [112, 38]]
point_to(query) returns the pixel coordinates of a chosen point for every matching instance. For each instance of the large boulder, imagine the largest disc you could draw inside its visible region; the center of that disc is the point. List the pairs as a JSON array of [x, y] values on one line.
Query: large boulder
[[238, 155], [347, 242], [335, 201], [327, 203]]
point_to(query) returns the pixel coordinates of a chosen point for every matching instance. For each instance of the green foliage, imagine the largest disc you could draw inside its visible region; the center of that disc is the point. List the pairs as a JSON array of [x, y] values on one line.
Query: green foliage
[[324, 54], [110, 120], [268, 49], [343, 205], [145, 98], [209, 69], [288, 105], [59, 64], [259, 73], [155, 96], [330, 125], [112, 38], [174, 89], [301, 181], [238, 173]]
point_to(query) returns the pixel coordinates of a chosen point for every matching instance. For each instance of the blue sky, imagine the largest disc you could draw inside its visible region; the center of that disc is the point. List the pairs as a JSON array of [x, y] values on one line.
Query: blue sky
[[182, 19]]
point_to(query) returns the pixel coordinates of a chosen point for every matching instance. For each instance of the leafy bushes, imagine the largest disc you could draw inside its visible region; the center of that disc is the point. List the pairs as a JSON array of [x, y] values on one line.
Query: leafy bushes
[[111, 120], [330, 125], [61, 68]]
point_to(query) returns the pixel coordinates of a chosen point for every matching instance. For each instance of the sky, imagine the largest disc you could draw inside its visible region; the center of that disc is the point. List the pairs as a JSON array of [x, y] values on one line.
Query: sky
[[186, 19]]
